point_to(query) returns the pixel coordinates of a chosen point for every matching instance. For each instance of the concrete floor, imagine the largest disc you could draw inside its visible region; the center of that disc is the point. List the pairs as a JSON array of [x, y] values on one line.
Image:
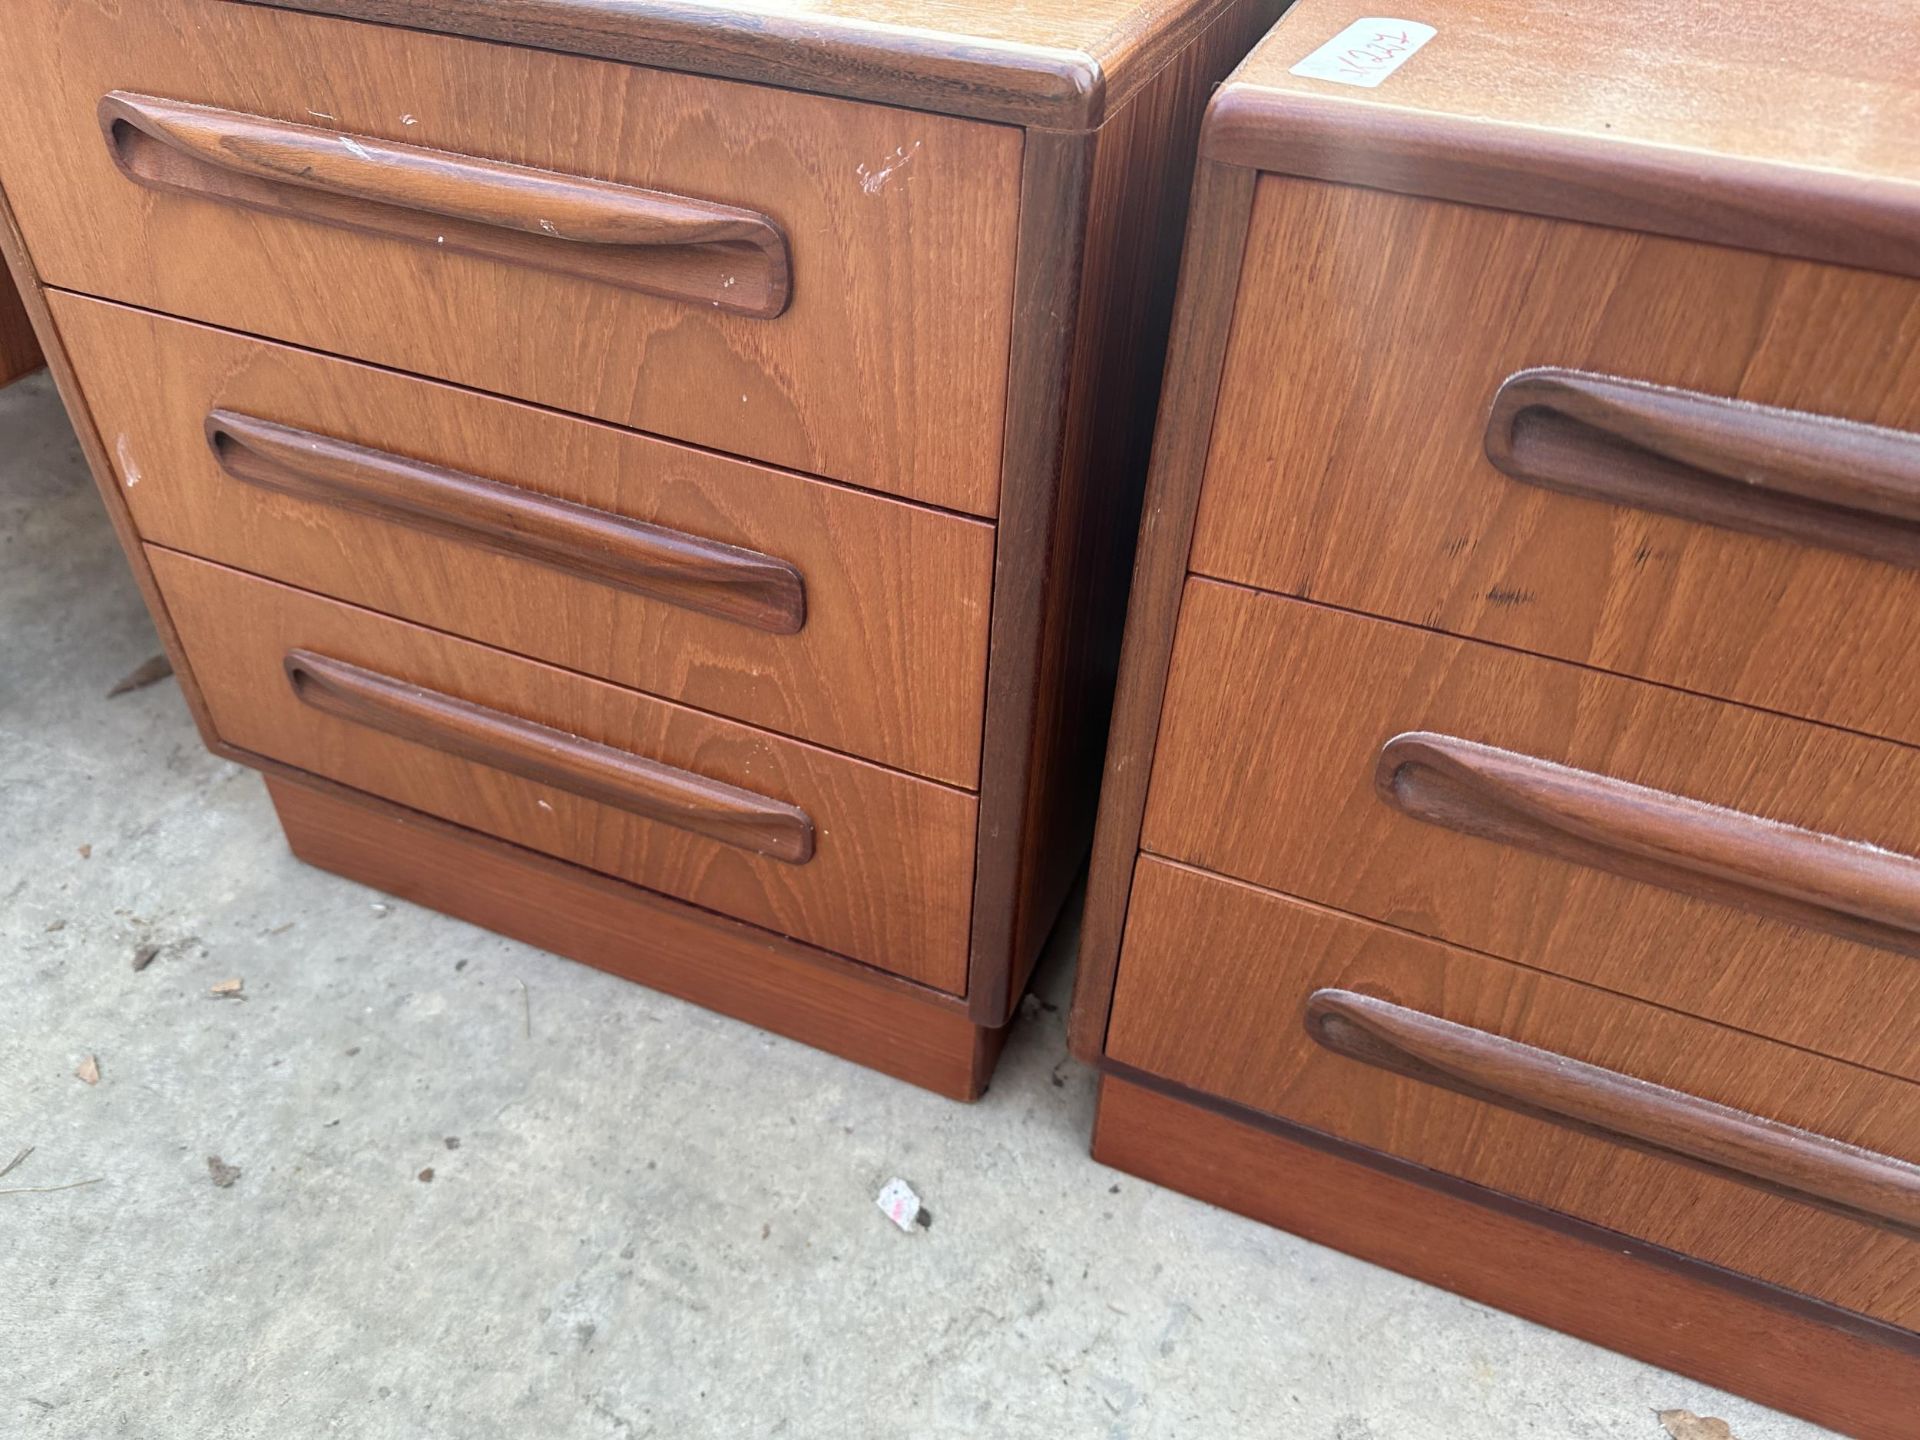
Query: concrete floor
[[642, 1219]]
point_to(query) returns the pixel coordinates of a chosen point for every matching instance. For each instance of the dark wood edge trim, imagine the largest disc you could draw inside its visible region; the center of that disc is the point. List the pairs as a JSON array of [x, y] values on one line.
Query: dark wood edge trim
[[1055, 182], [1203, 317], [891, 65], [1801, 1307], [579, 874], [1868, 222], [13, 247]]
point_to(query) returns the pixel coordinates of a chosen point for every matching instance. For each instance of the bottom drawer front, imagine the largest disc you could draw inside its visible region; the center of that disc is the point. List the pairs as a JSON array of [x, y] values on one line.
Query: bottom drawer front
[[1620, 1113], [844, 854]]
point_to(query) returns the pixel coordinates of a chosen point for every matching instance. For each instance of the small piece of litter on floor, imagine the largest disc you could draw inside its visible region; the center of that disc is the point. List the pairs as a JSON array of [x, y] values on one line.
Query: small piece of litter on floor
[[426, 1176], [222, 1174], [52, 1189], [228, 989], [279, 929], [15, 1163], [453, 1142], [381, 908], [148, 672], [1685, 1425], [53, 925], [143, 956], [898, 1203], [86, 852], [89, 1070]]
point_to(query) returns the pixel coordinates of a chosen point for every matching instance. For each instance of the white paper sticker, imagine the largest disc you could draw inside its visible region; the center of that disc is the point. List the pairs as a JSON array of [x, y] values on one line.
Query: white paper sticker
[[898, 1203], [1366, 52]]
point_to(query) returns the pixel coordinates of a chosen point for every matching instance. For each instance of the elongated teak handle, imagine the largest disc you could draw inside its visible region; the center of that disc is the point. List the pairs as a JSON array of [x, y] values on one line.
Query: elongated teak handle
[[1859, 1183], [1842, 886], [600, 773], [1788, 474], [684, 570], [670, 245]]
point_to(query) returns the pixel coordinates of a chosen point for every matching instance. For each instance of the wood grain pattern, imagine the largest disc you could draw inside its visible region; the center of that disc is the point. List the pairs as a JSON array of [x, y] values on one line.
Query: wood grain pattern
[[19, 351], [1234, 1029], [684, 570], [1804, 478], [1296, 702], [890, 664], [1364, 482], [1779, 1349], [602, 774], [887, 882], [669, 245], [1516, 107], [1058, 64], [1813, 1169], [1209, 278], [1819, 881], [888, 370], [775, 983], [1078, 432]]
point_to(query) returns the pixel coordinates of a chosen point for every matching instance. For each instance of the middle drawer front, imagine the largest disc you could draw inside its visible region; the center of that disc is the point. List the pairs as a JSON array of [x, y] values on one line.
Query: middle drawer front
[[889, 658], [864, 861], [817, 283], [1607, 829], [1529, 1084]]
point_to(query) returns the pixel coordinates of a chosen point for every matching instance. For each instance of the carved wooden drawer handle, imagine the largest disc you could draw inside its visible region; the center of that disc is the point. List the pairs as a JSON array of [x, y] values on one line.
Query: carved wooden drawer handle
[[1861, 1184], [661, 564], [1842, 886], [670, 245], [1781, 473], [596, 772]]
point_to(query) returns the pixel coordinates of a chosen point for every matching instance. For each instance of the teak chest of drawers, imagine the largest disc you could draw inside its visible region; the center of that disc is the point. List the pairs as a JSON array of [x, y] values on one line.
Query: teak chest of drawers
[[1506, 868], [656, 480]]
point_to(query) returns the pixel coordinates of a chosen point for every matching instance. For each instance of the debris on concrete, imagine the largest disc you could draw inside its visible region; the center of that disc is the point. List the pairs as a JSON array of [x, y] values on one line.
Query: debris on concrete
[[86, 852], [381, 909], [899, 1204], [89, 1070], [453, 1142], [143, 956], [222, 1174], [15, 1163], [53, 925], [228, 990], [425, 1177], [1685, 1425], [148, 672]]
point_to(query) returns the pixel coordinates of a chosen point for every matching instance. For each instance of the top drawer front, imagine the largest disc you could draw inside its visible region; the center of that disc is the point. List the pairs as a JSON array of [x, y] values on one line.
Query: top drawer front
[[1349, 459], [1607, 829], [886, 368]]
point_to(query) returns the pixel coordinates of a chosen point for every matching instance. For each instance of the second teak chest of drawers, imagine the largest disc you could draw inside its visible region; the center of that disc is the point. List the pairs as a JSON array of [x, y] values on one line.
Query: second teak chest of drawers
[[1509, 863], [654, 480]]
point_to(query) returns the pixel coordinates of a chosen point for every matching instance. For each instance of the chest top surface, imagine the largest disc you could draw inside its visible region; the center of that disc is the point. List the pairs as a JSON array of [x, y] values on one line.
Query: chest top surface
[[1788, 125], [1061, 64]]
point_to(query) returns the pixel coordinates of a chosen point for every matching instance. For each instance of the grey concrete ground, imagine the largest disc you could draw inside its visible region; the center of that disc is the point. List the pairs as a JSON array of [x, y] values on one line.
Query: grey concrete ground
[[642, 1219]]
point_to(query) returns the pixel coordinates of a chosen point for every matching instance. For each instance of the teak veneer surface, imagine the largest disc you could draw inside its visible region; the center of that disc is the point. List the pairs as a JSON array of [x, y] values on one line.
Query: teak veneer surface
[[1784, 1351], [1792, 128], [887, 883], [778, 984], [1349, 459], [889, 664], [887, 370], [19, 353], [1295, 703], [1233, 1028], [1061, 64]]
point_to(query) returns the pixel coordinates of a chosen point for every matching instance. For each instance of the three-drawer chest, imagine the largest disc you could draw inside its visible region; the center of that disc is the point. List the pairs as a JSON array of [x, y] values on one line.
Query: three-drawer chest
[[1507, 863], [657, 480]]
